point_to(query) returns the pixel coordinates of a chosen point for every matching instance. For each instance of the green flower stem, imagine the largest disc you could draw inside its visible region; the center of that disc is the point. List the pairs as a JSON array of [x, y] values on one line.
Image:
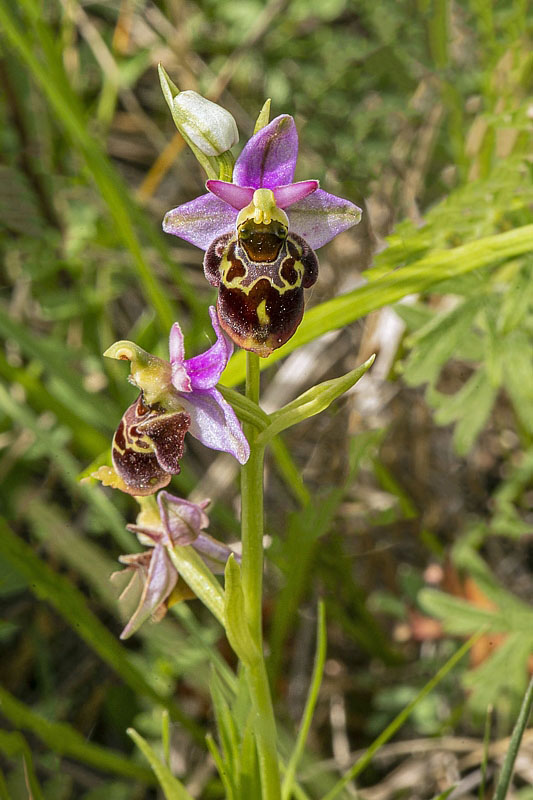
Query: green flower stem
[[265, 729], [252, 511], [252, 585]]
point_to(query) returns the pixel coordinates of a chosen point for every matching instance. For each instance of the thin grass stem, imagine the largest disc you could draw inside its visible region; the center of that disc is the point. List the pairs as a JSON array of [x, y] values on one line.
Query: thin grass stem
[[399, 720], [514, 745]]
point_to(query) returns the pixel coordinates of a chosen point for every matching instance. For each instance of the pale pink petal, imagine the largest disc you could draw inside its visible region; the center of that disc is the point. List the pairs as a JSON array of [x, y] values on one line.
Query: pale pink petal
[[180, 379], [214, 553], [176, 348], [205, 369], [236, 196], [215, 424], [269, 158], [161, 580], [182, 519], [201, 220], [293, 192], [321, 216]]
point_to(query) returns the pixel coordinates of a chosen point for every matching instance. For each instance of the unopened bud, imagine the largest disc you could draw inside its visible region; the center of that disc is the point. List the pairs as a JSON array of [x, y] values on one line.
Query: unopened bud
[[209, 126]]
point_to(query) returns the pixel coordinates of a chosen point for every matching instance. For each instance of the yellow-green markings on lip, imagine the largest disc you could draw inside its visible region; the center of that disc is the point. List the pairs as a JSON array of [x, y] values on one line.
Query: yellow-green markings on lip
[[263, 209], [261, 271]]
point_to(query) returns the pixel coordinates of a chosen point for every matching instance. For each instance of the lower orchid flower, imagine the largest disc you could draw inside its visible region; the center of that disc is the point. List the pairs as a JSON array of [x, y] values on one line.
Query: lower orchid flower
[[176, 396], [173, 521], [259, 234]]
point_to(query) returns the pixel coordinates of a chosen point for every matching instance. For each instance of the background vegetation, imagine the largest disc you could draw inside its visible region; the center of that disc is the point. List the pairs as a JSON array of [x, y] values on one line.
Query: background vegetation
[[407, 507]]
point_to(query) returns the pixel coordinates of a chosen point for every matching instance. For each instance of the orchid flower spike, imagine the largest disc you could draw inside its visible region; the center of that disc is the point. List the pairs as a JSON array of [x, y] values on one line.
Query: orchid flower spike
[[259, 233], [176, 396]]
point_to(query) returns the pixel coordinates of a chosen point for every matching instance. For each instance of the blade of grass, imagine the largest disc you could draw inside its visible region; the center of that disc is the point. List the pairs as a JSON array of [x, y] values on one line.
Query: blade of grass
[[66, 543], [14, 744], [194, 629], [85, 437], [69, 468], [96, 410], [65, 740], [219, 763], [71, 604], [289, 471], [165, 736], [430, 270], [312, 697], [514, 745], [172, 788], [3, 787], [399, 720], [485, 760], [50, 75]]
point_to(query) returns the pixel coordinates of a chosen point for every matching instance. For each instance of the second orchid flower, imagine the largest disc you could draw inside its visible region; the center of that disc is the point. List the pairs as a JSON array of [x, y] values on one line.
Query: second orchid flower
[[176, 396]]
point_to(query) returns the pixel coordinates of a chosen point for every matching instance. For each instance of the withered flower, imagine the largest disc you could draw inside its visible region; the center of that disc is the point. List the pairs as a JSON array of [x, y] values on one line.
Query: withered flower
[[172, 521]]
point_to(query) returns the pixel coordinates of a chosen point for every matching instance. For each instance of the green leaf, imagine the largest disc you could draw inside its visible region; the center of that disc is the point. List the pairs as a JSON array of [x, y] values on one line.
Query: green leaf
[[246, 409], [518, 372], [438, 22], [479, 400], [49, 74], [227, 734], [68, 467], [500, 679], [514, 745], [312, 697], [224, 774], [399, 720], [430, 270], [14, 744], [172, 788], [237, 629], [54, 356], [65, 740], [414, 316], [4, 794], [517, 299], [459, 616], [71, 604], [263, 116], [445, 794], [438, 340], [312, 402], [249, 775], [519, 614]]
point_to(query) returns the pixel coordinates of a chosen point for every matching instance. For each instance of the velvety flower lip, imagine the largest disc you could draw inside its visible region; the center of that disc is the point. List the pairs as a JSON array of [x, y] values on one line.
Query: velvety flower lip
[[267, 161]]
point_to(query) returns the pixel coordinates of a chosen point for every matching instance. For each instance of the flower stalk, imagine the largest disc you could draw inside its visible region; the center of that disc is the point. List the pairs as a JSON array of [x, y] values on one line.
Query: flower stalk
[[252, 584]]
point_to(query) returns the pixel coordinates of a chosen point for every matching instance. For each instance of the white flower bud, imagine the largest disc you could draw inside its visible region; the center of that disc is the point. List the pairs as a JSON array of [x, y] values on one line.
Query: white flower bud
[[209, 126]]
